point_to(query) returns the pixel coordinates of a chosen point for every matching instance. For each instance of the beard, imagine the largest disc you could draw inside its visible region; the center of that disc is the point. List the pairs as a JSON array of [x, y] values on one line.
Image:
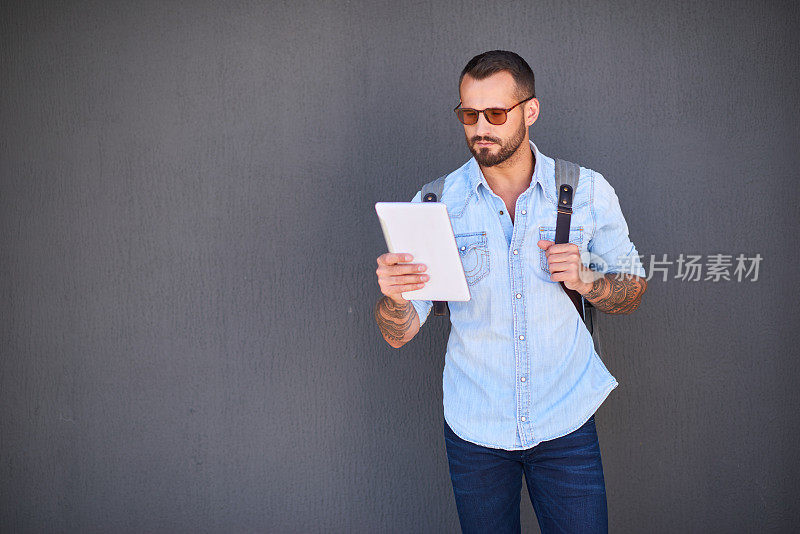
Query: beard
[[486, 158]]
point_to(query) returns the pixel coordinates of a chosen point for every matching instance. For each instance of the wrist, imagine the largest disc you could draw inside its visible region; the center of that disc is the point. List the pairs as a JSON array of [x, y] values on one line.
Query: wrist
[[588, 278], [584, 288], [398, 302]]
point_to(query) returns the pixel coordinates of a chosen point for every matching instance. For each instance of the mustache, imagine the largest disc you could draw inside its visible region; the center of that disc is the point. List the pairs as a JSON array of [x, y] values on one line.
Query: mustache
[[484, 138]]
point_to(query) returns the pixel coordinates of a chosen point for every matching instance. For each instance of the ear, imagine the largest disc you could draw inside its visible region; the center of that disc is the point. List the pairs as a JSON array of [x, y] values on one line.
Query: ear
[[531, 111]]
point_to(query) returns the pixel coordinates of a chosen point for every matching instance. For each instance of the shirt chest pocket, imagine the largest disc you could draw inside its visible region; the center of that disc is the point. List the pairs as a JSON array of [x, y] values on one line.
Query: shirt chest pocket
[[473, 248], [548, 233]]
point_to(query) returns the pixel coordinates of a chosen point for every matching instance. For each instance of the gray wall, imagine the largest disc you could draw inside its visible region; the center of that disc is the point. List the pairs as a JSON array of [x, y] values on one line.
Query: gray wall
[[188, 250]]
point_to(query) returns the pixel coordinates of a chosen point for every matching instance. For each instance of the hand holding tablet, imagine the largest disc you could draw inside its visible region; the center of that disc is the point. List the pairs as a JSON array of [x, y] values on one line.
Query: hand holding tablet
[[423, 231], [396, 276]]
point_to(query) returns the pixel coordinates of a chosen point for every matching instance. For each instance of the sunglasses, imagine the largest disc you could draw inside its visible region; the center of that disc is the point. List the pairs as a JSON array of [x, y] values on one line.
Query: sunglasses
[[495, 116]]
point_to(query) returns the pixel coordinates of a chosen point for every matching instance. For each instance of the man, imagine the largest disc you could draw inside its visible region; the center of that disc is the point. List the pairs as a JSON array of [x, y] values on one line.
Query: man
[[521, 379]]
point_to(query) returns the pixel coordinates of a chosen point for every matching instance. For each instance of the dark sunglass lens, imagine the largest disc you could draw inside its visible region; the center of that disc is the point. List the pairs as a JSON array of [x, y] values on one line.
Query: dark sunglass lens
[[467, 116], [496, 116]]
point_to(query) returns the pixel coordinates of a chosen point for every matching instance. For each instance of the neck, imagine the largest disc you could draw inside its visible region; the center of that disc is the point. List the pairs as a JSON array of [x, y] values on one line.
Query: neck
[[514, 174]]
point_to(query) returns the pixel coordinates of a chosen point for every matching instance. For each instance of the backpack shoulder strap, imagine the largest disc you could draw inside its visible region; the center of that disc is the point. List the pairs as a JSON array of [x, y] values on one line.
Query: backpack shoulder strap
[[567, 173], [436, 187], [432, 192]]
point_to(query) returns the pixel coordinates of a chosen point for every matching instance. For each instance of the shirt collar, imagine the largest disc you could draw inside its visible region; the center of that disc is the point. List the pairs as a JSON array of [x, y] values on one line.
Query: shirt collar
[[477, 178]]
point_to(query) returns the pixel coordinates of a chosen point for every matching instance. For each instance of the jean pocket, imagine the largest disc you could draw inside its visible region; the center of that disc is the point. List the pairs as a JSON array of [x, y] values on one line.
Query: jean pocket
[[548, 233], [473, 248]]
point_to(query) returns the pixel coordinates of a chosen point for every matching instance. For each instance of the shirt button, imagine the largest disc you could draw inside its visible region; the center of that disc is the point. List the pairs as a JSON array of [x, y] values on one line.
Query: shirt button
[[516, 252], [522, 419], [522, 379], [501, 212], [519, 295], [522, 338], [462, 248], [523, 212]]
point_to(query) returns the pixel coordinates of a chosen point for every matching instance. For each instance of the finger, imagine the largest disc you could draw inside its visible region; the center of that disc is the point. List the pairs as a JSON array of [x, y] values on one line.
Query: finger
[[560, 267], [406, 279], [544, 244], [397, 290], [564, 276], [404, 268], [565, 270], [562, 248], [392, 258], [563, 257]]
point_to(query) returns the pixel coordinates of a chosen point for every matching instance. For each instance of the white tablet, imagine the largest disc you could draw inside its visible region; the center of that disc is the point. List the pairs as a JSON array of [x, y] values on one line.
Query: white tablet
[[423, 230]]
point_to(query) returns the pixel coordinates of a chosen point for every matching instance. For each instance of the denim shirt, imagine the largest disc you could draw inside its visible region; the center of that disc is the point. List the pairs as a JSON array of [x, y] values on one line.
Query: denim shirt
[[520, 366]]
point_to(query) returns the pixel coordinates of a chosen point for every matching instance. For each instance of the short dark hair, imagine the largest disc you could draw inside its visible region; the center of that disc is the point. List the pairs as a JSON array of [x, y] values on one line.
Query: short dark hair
[[494, 61]]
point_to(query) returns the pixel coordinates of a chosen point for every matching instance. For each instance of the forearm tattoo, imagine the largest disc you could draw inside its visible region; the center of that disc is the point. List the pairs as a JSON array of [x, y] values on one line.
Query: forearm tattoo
[[394, 319], [617, 292]]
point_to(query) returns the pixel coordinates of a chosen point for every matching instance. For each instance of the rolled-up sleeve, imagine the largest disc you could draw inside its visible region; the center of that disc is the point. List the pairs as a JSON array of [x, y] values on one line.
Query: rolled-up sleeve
[[423, 307], [610, 247]]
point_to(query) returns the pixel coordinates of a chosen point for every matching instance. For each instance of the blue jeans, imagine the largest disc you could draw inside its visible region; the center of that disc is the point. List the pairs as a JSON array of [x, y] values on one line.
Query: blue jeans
[[564, 478]]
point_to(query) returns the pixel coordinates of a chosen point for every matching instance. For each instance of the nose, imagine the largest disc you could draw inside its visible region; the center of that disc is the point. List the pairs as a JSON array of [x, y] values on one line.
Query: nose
[[483, 126]]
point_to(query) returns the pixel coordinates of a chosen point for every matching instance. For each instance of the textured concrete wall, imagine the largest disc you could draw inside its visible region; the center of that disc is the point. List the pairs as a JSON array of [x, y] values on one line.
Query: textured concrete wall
[[188, 245]]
